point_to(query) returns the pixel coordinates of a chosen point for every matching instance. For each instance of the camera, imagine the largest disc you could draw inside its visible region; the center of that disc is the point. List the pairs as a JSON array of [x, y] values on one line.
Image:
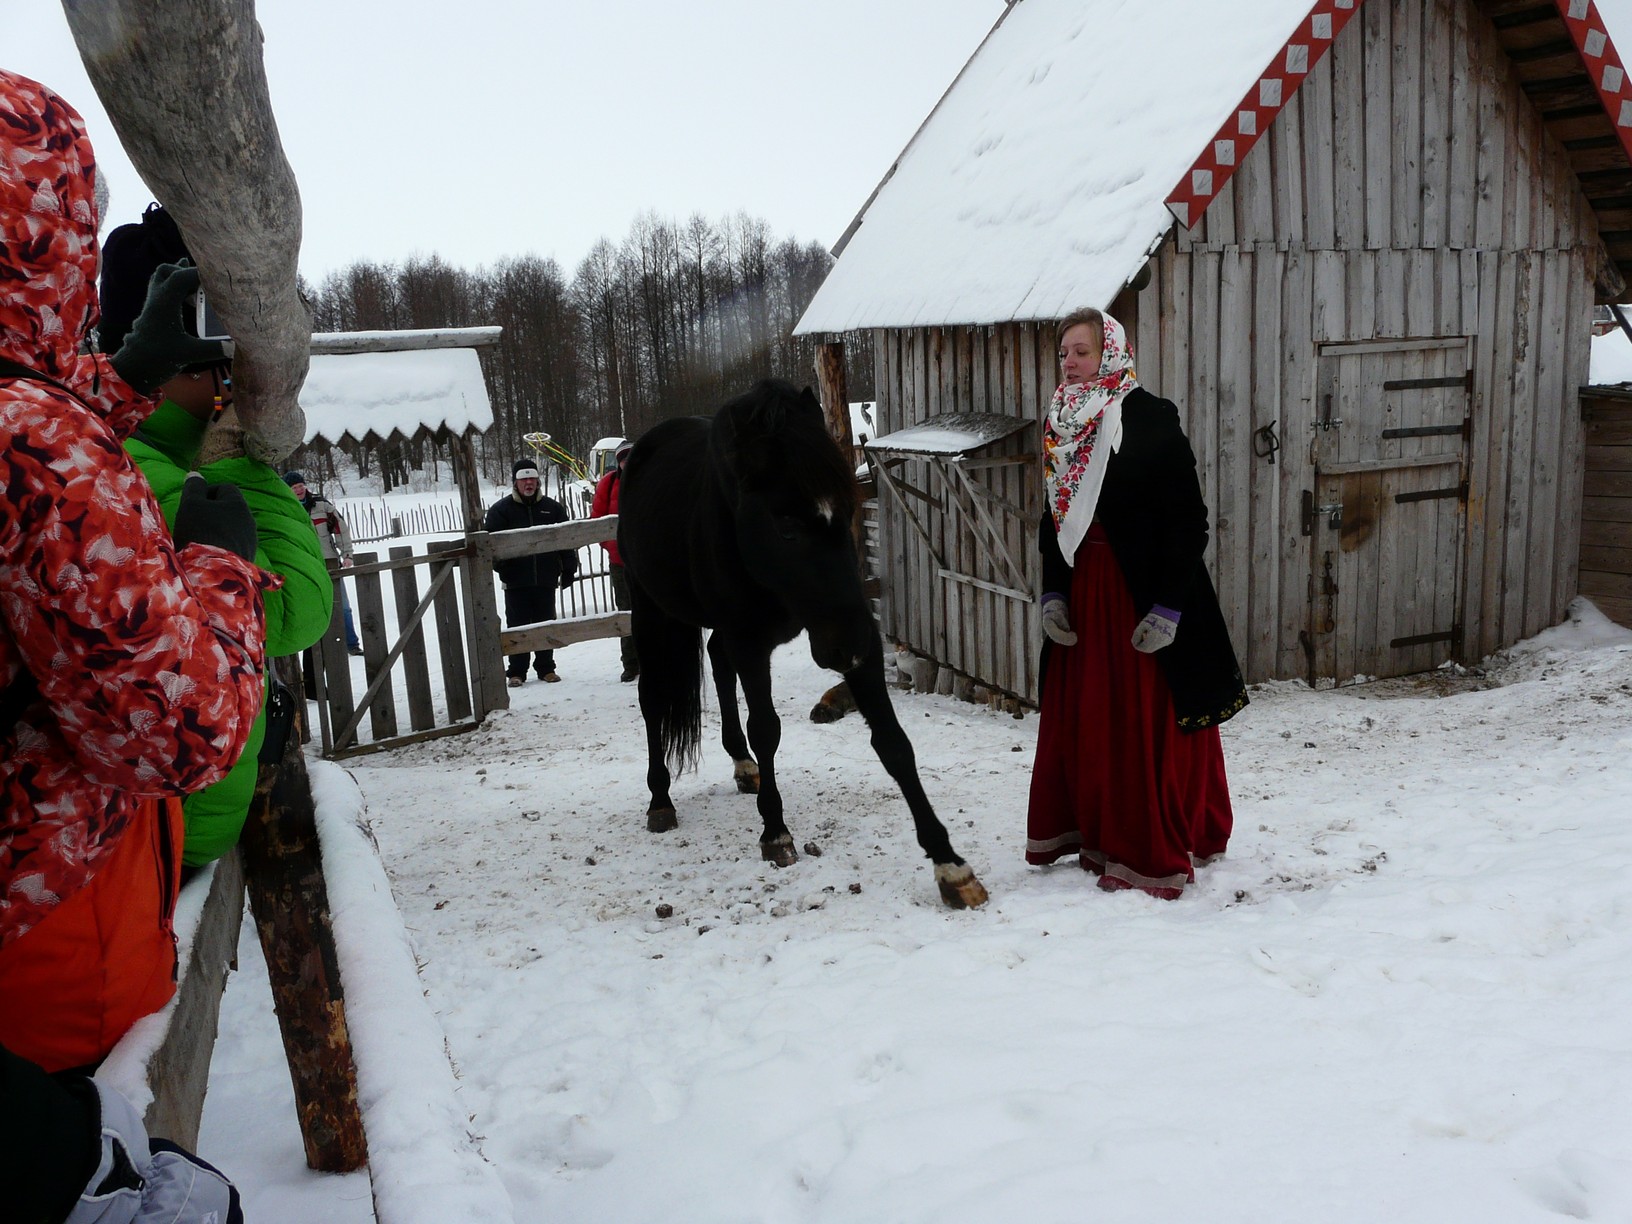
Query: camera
[[206, 324]]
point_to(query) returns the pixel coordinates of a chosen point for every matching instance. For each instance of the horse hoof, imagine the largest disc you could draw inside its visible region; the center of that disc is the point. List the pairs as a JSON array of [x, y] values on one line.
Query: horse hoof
[[747, 775], [661, 820], [779, 851], [959, 887]]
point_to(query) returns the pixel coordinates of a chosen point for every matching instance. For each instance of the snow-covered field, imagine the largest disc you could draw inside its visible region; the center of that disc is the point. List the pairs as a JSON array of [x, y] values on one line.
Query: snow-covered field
[[1403, 995]]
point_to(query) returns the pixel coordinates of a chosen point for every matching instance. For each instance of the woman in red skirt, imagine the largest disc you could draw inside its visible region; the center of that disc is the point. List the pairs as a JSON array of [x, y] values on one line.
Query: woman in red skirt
[[1138, 670]]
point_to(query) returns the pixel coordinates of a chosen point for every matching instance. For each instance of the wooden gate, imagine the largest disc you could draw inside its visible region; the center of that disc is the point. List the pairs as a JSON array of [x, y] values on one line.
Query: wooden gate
[[455, 593], [1388, 514]]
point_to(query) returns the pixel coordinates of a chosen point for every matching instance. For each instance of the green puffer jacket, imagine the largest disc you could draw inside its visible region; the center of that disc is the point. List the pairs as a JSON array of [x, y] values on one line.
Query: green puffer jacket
[[296, 615]]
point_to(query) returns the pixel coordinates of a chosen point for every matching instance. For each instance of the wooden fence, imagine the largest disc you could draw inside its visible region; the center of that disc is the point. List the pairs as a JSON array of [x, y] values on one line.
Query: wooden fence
[[447, 591]]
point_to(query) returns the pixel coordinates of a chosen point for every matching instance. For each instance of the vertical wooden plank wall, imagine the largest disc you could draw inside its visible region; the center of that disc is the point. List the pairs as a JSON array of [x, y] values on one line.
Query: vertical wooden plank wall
[[1410, 191], [1606, 529], [921, 373]]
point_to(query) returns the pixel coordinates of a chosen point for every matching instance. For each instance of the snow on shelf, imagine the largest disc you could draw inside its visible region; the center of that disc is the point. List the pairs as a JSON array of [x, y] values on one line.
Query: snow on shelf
[[952, 434], [1611, 360]]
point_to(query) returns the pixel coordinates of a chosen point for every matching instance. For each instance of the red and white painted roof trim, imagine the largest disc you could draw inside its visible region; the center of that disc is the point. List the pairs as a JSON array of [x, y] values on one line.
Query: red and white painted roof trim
[[1257, 111], [1608, 73]]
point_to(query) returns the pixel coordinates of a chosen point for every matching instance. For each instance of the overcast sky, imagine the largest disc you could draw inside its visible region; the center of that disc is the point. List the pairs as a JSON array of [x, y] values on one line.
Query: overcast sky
[[485, 128]]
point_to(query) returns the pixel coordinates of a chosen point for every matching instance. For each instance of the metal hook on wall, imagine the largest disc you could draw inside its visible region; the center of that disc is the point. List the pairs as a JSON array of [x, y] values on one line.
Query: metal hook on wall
[[1265, 442]]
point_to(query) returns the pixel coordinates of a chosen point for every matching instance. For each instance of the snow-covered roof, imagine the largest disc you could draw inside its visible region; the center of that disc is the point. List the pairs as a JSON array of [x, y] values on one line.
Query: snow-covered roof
[[357, 394], [950, 434], [1041, 181], [1611, 360], [1037, 185]]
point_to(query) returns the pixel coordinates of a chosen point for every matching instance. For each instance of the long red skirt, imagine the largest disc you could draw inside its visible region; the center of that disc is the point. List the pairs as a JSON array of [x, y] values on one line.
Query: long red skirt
[[1116, 782]]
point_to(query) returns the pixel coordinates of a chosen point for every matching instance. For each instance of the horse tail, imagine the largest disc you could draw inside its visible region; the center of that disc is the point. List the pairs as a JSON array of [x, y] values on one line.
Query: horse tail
[[671, 673]]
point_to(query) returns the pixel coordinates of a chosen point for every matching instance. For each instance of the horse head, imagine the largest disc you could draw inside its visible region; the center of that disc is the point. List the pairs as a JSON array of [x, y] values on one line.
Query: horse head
[[793, 497]]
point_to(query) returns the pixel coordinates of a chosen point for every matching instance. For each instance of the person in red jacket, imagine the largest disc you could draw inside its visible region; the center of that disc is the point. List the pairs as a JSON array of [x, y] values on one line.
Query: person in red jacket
[[606, 502], [129, 665]]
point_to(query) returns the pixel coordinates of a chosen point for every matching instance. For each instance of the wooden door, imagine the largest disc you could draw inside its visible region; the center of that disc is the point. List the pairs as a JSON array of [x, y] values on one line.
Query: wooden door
[[1388, 514]]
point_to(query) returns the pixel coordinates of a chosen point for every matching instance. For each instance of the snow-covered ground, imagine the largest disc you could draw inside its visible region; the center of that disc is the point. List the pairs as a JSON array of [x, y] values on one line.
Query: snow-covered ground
[[1403, 995]]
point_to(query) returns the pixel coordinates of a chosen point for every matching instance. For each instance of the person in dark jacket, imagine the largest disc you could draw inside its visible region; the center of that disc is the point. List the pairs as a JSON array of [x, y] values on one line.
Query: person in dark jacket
[[1138, 669], [605, 503], [530, 582]]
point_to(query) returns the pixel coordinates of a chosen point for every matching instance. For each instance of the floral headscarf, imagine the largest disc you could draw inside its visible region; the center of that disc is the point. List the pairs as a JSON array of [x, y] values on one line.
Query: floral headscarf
[[1081, 432]]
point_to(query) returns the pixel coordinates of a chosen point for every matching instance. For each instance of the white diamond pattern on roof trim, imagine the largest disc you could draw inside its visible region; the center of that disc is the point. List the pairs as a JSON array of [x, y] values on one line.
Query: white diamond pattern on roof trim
[[1578, 9], [1201, 182], [1321, 26], [1343, 4], [1626, 115], [1297, 58], [1614, 78], [1224, 151], [1269, 91], [1595, 42], [1247, 122]]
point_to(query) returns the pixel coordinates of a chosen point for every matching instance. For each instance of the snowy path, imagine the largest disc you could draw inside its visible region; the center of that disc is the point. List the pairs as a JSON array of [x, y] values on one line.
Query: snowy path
[[1403, 994]]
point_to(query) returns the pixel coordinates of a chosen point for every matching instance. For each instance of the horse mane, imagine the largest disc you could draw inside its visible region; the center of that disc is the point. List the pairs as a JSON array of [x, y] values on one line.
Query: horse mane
[[775, 434]]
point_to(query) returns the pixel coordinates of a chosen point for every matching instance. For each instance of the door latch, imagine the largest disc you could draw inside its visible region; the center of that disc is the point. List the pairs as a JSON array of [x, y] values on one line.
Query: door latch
[[1327, 421], [1333, 512]]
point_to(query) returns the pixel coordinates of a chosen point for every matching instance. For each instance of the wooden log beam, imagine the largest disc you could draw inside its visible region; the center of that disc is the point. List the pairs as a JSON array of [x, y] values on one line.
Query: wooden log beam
[[185, 88], [525, 541], [283, 870], [416, 340], [553, 635]]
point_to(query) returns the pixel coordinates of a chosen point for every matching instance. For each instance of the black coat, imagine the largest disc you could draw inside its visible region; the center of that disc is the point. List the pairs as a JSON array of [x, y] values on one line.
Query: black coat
[[543, 569], [1153, 513]]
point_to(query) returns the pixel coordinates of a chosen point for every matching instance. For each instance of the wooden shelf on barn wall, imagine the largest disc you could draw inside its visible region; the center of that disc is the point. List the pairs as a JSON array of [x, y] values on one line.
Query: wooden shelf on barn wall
[[967, 583]]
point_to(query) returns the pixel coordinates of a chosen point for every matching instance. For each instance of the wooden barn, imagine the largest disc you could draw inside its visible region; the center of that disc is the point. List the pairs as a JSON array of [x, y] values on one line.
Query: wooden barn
[[1359, 243]]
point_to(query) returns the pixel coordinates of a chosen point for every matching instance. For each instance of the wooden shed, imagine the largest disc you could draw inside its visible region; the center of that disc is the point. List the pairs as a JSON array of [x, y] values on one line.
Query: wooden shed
[[1358, 242]]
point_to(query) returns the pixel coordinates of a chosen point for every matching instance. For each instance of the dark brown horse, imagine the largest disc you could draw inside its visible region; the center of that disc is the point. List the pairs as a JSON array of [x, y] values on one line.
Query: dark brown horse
[[741, 525]]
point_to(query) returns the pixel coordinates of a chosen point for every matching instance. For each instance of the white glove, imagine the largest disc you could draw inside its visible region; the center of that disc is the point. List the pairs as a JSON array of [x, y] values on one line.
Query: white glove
[[1057, 621], [1156, 630], [137, 1182]]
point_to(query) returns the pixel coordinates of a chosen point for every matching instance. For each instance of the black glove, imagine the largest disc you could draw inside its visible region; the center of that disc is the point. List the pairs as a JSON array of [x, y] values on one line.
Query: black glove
[[157, 347], [216, 515]]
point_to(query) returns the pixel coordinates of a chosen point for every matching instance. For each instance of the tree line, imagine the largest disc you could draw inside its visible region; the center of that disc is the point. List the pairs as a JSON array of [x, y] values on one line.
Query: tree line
[[672, 320]]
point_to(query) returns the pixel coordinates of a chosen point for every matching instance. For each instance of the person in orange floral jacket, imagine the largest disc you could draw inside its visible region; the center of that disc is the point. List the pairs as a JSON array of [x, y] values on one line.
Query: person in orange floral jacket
[[129, 667]]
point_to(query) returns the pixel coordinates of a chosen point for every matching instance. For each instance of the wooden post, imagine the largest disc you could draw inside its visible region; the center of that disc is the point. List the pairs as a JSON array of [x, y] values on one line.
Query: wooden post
[[835, 392], [283, 871], [466, 476], [482, 627], [184, 85]]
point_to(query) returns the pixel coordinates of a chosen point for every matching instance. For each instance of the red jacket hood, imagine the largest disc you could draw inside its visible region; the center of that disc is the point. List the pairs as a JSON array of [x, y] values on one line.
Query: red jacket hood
[[48, 250]]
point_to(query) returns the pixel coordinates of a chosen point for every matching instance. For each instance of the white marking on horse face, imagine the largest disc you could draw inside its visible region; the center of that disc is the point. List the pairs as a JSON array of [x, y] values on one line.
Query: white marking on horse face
[[825, 509]]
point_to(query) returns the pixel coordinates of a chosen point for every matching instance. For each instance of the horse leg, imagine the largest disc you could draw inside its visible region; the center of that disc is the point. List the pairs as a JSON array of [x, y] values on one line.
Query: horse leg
[[753, 665], [652, 631], [660, 816], [958, 885], [744, 770]]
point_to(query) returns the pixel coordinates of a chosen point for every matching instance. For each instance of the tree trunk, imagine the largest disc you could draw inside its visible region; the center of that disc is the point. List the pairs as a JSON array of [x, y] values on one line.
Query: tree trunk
[[283, 870], [185, 88]]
